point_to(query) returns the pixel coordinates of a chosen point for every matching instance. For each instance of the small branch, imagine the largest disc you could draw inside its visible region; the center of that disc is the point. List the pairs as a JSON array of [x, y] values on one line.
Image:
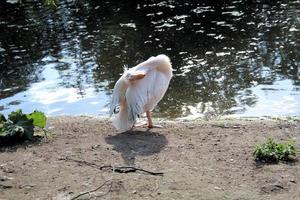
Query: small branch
[[90, 191], [128, 169], [82, 162], [119, 169], [226, 126]]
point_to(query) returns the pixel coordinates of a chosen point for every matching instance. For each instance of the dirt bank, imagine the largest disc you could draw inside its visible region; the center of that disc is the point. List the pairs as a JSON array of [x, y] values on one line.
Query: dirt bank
[[200, 160]]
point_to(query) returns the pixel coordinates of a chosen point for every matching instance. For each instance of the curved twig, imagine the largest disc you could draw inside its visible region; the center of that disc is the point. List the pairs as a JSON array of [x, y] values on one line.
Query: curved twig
[[119, 169], [90, 191]]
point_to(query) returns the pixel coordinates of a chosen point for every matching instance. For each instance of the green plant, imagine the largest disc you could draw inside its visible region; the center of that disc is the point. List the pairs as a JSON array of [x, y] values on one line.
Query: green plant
[[19, 126], [51, 3], [270, 151]]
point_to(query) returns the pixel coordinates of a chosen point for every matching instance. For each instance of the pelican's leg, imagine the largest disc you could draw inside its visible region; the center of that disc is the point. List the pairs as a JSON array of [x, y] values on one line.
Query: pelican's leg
[[150, 123]]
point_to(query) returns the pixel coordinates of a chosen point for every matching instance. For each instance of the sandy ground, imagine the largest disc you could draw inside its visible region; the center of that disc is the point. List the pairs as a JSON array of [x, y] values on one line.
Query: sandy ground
[[199, 160]]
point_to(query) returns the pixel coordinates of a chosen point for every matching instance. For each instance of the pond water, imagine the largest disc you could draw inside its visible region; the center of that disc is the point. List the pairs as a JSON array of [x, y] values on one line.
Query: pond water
[[239, 58]]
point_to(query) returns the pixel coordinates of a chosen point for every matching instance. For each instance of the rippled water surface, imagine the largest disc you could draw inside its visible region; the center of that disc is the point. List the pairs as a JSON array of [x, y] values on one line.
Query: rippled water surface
[[236, 58]]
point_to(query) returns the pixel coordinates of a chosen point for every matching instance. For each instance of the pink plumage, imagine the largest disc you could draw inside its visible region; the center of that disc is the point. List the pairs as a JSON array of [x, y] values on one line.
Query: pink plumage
[[139, 90]]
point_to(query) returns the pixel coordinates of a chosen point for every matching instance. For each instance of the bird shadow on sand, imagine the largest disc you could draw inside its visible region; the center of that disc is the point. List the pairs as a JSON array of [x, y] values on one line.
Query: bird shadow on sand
[[137, 143]]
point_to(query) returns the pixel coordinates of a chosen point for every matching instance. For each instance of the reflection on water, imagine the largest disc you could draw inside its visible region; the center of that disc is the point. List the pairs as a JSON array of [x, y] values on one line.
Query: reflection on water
[[236, 58]]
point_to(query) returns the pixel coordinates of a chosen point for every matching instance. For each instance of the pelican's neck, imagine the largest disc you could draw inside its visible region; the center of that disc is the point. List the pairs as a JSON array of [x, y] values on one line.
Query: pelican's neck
[[121, 87]]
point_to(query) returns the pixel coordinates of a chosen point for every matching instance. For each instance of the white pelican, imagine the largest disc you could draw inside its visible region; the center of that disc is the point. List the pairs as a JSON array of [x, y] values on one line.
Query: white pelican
[[139, 90]]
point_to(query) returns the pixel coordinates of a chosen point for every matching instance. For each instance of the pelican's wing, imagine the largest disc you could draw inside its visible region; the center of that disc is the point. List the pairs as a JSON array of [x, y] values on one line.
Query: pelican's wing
[[136, 96], [131, 75], [145, 93]]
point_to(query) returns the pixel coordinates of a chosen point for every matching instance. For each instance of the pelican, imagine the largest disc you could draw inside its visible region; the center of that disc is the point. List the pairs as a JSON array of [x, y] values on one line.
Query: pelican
[[139, 90]]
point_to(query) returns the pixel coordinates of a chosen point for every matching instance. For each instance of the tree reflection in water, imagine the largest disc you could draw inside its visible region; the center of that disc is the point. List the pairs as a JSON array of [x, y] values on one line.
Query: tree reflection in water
[[223, 53]]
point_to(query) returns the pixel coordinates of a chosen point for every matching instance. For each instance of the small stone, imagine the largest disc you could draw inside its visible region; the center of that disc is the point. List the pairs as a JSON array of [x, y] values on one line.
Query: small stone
[[217, 188]]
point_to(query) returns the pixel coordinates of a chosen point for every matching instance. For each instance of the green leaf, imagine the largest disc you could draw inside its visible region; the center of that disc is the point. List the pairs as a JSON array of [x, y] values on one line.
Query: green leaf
[[27, 127], [14, 131], [16, 116], [39, 118], [2, 118], [22, 125]]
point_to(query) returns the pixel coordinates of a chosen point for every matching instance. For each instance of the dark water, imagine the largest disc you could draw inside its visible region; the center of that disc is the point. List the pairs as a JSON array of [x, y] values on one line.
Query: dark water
[[234, 58]]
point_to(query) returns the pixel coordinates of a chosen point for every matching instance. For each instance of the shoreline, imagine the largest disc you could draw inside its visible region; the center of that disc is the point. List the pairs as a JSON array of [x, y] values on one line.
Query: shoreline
[[192, 119]]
